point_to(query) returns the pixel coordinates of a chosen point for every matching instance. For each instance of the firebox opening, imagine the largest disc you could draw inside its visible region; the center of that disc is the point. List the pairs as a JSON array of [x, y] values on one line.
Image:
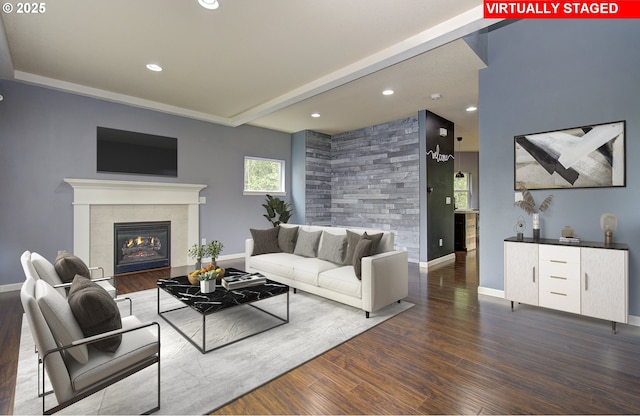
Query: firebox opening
[[141, 246]]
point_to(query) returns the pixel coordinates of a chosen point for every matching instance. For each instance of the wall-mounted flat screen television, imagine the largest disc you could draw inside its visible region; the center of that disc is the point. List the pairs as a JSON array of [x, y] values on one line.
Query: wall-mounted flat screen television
[[120, 151]]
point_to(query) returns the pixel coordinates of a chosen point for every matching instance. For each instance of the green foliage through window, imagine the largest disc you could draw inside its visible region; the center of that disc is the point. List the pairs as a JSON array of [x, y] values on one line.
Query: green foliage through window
[[462, 191], [263, 175]]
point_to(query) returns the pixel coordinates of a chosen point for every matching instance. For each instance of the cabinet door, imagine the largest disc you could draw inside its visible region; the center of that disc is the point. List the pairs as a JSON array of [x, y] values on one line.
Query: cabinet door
[[521, 272], [604, 284]]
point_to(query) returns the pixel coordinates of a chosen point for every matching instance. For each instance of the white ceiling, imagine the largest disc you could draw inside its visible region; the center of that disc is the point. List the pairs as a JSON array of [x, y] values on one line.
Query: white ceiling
[[268, 63]]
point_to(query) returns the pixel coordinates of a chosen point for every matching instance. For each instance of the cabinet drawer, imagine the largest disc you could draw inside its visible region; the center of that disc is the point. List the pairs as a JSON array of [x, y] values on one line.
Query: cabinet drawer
[[559, 254], [557, 269], [563, 298], [560, 292]]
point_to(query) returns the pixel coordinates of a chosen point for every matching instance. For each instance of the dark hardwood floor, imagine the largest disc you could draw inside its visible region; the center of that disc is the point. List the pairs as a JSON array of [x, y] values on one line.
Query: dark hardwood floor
[[453, 353]]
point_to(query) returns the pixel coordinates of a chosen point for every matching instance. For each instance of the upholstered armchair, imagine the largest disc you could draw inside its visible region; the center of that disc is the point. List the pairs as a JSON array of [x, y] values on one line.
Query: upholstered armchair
[[41, 268], [78, 365]]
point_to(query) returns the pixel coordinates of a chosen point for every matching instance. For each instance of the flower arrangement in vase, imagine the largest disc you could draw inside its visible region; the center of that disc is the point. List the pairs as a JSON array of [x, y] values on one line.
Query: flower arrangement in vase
[[208, 280]]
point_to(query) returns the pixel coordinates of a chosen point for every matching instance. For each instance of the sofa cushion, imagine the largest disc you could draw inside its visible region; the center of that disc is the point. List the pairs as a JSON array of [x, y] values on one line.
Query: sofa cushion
[[279, 264], [307, 269], [333, 247], [135, 346], [341, 280], [363, 249], [68, 266], [96, 312], [307, 244], [265, 241], [63, 324], [287, 237]]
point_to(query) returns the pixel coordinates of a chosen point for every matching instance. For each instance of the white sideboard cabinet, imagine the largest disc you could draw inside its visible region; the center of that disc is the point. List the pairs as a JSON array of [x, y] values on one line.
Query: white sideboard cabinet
[[588, 278]]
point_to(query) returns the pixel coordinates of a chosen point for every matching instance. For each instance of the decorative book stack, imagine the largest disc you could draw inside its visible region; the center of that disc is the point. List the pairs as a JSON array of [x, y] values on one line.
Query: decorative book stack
[[238, 281]]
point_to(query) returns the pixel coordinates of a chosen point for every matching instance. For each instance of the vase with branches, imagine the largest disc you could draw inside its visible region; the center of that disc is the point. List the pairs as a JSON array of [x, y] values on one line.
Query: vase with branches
[[528, 204]]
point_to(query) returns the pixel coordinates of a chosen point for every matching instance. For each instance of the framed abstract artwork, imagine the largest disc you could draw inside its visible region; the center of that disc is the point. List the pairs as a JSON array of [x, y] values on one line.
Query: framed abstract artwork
[[580, 157]]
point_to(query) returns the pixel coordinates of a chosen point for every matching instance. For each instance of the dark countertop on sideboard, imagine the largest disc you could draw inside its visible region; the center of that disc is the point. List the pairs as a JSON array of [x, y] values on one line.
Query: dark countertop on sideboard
[[590, 244]]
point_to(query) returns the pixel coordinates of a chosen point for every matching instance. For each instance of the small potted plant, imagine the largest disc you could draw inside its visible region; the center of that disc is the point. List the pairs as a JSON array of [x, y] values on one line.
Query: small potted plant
[[213, 250], [208, 281], [197, 252]]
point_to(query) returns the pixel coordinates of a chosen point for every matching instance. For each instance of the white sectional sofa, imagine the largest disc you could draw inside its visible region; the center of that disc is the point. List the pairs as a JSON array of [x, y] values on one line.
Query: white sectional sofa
[[384, 273]]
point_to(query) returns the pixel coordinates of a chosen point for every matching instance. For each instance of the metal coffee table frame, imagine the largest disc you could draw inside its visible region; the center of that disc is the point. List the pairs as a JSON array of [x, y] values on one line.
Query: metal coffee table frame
[[203, 348]]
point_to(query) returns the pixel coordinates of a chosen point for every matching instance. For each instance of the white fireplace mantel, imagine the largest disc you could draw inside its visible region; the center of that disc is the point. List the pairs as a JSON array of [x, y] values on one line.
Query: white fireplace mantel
[[91, 192]]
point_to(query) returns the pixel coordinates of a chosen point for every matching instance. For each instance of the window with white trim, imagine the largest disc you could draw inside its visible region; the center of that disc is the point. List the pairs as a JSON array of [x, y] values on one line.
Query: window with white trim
[[263, 176], [462, 190]]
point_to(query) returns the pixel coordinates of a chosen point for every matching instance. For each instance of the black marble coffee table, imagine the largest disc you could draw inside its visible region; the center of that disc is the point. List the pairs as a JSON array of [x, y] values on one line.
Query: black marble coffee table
[[207, 304]]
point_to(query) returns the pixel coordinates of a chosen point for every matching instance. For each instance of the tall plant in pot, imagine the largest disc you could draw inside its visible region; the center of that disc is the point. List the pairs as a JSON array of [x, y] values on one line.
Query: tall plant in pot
[[197, 252], [278, 211], [528, 204], [213, 250]]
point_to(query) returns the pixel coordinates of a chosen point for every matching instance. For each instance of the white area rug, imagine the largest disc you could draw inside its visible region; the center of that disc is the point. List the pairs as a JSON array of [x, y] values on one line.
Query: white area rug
[[195, 383]]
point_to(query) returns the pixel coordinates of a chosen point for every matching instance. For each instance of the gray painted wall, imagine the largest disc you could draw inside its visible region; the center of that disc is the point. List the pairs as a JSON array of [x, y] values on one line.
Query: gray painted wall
[[546, 75], [298, 177], [47, 135]]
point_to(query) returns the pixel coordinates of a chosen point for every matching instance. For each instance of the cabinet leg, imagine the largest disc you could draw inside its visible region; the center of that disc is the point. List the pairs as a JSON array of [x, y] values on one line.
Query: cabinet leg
[[613, 327], [511, 306]]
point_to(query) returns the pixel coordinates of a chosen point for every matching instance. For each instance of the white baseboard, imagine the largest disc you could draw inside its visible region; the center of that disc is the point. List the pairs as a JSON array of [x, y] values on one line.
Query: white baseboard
[[496, 293], [439, 260], [207, 260], [487, 291], [634, 320], [13, 287]]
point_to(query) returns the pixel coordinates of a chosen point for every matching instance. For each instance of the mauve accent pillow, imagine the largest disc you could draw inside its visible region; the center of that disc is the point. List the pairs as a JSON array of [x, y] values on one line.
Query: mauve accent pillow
[[287, 237], [96, 312], [333, 248], [363, 249], [307, 244], [68, 266], [265, 241], [352, 242]]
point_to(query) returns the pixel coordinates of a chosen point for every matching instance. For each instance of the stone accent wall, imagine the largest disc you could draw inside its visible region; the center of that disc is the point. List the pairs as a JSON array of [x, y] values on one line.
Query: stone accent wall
[[367, 178], [318, 178]]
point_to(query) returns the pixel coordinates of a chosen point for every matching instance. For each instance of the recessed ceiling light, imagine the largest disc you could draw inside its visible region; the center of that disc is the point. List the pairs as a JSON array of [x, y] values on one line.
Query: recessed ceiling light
[[387, 92], [154, 67], [209, 4], [436, 96], [315, 115], [472, 108]]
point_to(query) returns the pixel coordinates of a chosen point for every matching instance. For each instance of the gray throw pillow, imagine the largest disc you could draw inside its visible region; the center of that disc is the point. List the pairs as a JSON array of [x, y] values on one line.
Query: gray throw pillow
[[95, 311], [287, 237], [363, 249], [352, 242], [307, 244], [68, 266], [265, 241], [333, 248], [375, 241]]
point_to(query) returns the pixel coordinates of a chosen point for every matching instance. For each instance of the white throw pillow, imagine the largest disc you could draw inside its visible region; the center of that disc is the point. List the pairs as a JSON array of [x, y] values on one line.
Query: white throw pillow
[[63, 324]]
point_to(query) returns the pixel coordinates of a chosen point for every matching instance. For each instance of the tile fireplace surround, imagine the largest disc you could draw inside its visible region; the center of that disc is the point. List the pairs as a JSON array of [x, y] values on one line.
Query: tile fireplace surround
[[98, 204]]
